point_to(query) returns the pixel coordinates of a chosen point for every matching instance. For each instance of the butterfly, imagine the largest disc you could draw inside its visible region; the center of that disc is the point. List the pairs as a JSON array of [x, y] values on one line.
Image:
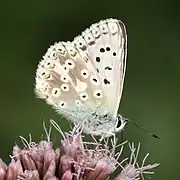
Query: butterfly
[[83, 79]]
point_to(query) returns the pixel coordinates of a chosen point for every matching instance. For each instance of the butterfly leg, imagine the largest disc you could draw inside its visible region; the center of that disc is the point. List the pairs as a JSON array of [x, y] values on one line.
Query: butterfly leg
[[107, 135], [113, 143]]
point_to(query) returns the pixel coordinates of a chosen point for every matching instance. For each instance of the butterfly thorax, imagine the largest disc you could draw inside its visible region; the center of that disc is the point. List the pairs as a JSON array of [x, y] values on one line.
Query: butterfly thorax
[[103, 125]]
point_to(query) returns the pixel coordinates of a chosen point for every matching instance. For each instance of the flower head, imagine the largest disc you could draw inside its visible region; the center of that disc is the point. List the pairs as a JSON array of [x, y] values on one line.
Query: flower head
[[74, 159]]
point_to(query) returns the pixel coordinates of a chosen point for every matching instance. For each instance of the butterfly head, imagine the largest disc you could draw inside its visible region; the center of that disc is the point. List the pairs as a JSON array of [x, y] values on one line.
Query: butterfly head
[[120, 123]]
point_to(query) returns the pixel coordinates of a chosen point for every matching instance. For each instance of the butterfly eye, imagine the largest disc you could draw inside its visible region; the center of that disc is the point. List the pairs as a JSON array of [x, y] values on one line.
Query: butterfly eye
[[84, 73], [65, 87], [84, 96], [118, 123], [70, 64], [56, 92]]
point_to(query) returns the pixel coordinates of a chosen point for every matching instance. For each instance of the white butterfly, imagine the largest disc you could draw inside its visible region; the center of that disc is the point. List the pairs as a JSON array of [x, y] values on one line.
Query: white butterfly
[[83, 80]]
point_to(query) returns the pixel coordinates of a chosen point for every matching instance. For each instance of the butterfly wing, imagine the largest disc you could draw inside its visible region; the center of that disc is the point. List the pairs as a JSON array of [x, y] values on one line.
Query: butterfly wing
[[106, 45], [67, 80]]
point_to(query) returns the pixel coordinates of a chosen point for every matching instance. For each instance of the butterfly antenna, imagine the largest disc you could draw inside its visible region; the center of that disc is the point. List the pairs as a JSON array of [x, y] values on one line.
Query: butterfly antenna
[[143, 129]]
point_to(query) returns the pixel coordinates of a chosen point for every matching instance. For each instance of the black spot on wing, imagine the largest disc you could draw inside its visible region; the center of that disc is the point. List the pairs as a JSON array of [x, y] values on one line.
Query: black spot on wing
[[108, 68], [106, 81]]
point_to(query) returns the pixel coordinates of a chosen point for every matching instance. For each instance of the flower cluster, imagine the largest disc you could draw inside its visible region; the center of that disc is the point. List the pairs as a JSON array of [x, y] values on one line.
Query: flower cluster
[[73, 160]]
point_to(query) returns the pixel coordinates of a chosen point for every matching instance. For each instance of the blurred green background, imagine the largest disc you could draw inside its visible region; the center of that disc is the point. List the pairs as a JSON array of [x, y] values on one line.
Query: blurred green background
[[152, 84]]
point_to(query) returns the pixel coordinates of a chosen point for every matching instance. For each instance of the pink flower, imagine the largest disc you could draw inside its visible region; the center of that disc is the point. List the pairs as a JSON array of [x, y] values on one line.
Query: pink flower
[[75, 159]]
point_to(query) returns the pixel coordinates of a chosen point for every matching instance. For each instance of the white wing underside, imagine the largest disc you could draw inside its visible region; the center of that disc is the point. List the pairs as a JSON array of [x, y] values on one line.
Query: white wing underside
[[107, 34], [87, 74]]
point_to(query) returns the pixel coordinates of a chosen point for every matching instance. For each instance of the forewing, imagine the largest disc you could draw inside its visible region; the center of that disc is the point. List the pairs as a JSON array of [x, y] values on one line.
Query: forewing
[[106, 44]]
